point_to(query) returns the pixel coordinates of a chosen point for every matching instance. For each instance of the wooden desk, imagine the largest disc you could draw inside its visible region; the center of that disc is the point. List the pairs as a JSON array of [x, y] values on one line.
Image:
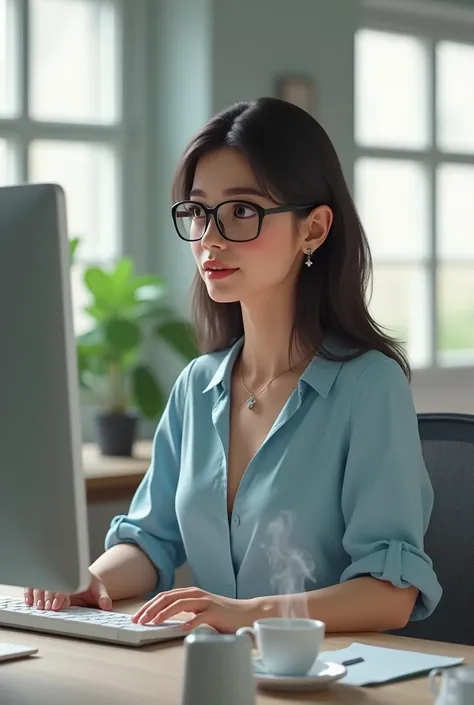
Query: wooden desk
[[87, 673], [114, 478]]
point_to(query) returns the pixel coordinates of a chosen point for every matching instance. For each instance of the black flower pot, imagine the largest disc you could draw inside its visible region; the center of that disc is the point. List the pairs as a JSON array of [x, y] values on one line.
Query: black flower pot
[[116, 433]]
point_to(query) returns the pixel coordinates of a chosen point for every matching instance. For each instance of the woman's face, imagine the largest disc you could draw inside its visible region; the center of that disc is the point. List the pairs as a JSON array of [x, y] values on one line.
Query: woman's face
[[251, 268]]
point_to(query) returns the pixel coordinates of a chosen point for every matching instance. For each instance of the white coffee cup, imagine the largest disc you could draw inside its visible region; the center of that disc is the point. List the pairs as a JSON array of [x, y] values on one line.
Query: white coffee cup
[[288, 647], [456, 688]]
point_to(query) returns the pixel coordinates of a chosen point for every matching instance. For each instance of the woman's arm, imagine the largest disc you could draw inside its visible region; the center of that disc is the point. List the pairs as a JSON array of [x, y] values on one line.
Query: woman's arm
[[126, 571], [363, 604], [386, 502]]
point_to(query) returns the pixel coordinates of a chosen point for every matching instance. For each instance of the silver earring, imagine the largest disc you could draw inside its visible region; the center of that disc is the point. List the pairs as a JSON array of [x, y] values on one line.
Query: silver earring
[[308, 261]]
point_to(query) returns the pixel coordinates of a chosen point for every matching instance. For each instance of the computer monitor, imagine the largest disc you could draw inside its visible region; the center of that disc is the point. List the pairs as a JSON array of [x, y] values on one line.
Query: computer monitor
[[43, 524]]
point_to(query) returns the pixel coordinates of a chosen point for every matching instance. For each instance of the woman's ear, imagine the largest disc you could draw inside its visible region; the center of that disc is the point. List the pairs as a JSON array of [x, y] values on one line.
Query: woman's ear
[[316, 228]]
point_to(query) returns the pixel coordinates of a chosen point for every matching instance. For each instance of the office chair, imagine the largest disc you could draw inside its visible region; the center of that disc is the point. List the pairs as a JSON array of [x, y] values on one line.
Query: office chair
[[448, 450]]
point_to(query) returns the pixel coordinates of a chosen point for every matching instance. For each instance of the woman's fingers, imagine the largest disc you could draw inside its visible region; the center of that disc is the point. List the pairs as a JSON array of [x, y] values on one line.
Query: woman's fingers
[[101, 596], [163, 600], [60, 601], [48, 599], [38, 599], [187, 605]]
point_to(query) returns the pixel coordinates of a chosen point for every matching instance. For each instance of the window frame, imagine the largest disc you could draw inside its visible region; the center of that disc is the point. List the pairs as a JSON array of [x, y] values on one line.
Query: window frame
[[431, 22], [129, 136]]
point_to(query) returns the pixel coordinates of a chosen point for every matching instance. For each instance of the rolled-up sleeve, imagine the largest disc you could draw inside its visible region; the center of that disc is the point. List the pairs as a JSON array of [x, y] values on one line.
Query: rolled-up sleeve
[[151, 522], [387, 497]]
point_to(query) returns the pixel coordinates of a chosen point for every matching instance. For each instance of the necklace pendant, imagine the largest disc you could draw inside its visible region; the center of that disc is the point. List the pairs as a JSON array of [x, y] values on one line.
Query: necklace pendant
[[251, 401]]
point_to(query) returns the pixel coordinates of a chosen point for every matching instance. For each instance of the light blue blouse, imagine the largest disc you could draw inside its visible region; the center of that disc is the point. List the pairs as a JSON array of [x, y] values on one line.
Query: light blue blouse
[[342, 467]]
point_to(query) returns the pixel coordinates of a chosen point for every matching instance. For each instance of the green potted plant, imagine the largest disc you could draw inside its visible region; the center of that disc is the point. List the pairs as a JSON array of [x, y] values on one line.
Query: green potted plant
[[126, 310]]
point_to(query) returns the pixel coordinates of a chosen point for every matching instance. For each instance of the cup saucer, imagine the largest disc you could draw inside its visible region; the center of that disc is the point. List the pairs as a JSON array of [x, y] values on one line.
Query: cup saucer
[[321, 674]]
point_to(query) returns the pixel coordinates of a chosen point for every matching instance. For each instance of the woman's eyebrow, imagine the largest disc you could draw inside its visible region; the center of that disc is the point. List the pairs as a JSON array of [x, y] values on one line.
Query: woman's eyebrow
[[235, 191]]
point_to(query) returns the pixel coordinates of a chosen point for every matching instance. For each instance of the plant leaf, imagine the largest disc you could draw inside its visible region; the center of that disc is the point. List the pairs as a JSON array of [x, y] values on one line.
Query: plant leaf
[[122, 336], [148, 395], [179, 336], [92, 359], [73, 245], [96, 312], [91, 363], [99, 283], [123, 274]]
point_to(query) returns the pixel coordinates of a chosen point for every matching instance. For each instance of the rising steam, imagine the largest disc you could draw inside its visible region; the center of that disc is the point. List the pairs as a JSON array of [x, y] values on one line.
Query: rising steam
[[290, 567]]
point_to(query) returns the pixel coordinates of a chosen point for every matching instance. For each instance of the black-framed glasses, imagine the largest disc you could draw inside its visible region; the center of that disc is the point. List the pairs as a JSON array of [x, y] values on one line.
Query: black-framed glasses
[[237, 221]]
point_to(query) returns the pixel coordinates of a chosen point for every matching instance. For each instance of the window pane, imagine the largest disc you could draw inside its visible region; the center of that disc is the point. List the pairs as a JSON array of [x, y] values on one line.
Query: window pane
[[391, 90], [73, 61], [8, 171], [392, 199], [456, 313], [455, 97], [455, 211], [88, 174], [399, 303], [8, 70]]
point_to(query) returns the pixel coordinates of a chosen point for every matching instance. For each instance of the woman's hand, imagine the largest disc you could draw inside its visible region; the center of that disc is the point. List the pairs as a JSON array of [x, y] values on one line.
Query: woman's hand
[[96, 595], [223, 613]]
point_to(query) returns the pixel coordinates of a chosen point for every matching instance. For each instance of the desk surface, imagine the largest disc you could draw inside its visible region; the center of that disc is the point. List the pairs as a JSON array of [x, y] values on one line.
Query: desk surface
[[112, 478], [87, 673]]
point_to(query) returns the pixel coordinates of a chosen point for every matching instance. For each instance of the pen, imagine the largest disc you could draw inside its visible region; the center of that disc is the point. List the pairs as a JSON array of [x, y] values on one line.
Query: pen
[[352, 661]]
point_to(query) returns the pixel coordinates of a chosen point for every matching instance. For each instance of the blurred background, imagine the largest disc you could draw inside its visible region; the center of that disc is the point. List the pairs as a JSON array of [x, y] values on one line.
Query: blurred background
[[102, 95]]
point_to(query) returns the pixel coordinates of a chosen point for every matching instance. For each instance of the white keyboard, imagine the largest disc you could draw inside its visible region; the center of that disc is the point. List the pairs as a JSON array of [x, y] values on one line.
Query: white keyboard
[[85, 623]]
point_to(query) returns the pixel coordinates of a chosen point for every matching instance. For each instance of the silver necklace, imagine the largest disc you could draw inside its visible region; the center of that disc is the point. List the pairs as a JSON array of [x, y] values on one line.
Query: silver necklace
[[252, 400]]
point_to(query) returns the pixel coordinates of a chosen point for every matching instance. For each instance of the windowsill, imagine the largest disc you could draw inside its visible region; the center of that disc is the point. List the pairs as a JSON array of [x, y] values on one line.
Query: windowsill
[[111, 478]]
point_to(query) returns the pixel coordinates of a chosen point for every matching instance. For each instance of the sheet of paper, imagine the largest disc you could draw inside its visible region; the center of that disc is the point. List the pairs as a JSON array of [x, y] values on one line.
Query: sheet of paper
[[381, 665]]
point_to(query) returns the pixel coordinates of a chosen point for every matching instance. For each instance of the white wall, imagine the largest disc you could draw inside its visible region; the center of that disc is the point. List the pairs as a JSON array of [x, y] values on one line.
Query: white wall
[[255, 43]]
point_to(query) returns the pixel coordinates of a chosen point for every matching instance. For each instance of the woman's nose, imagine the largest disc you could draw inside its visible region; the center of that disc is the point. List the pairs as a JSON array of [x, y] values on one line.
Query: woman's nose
[[212, 237]]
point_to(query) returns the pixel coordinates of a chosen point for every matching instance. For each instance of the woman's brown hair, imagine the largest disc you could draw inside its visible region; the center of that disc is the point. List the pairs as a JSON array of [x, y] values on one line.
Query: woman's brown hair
[[295, 163]]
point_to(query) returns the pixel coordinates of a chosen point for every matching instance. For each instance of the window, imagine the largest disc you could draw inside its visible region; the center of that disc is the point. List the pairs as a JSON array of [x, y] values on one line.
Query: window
[[414, 184], [61, 116]]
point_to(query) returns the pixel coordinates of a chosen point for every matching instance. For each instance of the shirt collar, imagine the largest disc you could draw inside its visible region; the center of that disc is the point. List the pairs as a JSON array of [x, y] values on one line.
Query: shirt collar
[[223, 373], [319, 374]]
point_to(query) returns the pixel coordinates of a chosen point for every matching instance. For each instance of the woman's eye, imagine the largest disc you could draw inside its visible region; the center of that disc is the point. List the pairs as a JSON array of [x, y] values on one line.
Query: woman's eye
[[243, 211], [195, 211]]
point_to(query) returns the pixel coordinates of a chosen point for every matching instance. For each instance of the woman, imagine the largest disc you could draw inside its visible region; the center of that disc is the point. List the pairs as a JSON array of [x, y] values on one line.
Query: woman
[[287, 467]]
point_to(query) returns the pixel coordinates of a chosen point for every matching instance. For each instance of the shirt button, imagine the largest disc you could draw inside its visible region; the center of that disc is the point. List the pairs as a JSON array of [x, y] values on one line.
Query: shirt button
[[236, 520]]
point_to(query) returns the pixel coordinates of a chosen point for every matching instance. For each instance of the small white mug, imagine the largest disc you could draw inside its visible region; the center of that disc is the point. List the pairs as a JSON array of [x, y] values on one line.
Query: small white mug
[[457, 685], [288, 647]]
